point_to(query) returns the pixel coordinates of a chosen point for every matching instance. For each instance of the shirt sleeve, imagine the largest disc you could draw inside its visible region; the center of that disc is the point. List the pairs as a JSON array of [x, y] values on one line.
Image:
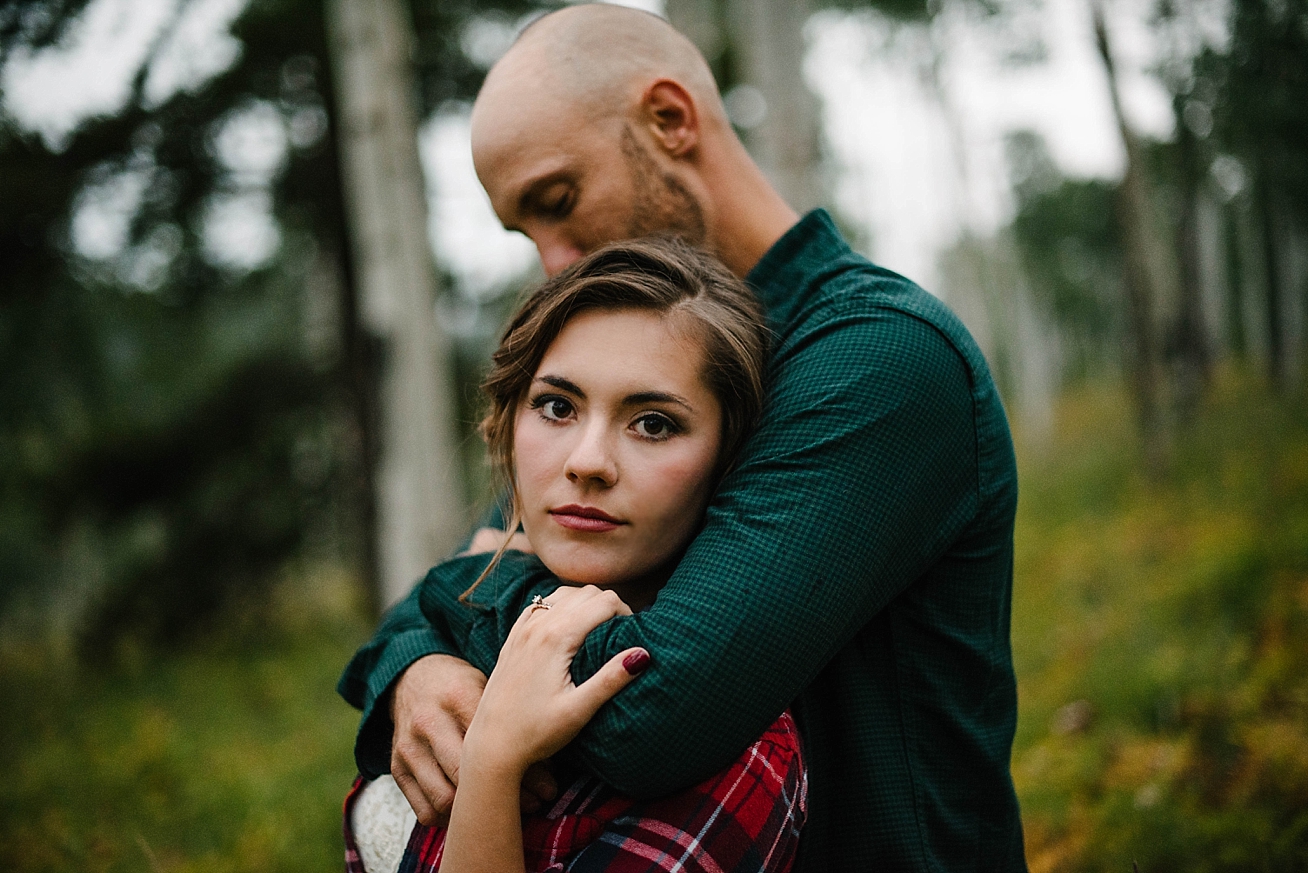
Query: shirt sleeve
[[862, 474], [404, 635]]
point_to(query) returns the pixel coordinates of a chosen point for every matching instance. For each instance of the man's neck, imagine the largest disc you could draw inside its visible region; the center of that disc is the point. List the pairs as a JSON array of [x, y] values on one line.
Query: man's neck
[[750, 215]]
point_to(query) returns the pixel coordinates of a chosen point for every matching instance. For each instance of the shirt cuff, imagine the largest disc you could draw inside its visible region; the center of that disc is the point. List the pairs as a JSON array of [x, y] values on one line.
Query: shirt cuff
[[372, 747]]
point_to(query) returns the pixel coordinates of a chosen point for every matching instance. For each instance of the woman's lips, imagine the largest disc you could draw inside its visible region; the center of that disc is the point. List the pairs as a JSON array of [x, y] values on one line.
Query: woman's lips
[[584, 518]]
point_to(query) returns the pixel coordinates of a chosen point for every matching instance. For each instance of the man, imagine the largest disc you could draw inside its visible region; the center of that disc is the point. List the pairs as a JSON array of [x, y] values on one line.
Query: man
[[856, 565]]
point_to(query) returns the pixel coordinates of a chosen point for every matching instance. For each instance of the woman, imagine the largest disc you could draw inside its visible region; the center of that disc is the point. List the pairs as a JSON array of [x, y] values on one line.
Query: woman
[[620, 394]]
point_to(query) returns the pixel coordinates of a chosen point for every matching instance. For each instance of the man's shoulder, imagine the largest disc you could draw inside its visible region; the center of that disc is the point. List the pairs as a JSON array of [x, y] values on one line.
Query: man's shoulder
[[895, 317], [852, 315]]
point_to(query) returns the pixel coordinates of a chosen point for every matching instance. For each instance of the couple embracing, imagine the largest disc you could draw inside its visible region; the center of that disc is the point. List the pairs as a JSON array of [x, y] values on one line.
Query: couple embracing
[[747, 604]]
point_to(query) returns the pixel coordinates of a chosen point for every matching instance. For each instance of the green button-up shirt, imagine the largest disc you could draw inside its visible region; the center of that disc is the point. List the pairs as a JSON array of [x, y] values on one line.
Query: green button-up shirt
[[856, 566]]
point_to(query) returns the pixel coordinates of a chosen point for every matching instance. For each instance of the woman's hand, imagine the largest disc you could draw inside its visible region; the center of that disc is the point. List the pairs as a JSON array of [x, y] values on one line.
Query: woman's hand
[[530, 708]]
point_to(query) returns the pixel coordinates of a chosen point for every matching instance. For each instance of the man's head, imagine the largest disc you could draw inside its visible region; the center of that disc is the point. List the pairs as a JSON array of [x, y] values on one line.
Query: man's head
[[604, 123]]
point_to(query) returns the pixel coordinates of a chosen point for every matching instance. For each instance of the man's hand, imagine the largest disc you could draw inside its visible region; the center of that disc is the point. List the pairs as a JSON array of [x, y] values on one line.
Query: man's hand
[[432, 705], [488, 539]]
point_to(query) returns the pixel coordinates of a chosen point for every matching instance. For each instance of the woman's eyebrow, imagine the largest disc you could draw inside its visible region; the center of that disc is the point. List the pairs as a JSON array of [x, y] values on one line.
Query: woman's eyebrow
[[562, 384], [637, 399], [643, 397]]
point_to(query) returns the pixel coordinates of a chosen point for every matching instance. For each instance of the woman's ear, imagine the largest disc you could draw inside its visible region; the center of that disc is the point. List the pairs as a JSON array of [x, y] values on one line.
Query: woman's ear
[[671, 116]]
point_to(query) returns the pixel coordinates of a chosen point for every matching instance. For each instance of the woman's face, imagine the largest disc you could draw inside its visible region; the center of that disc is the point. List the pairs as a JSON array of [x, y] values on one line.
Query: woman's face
[[614, 446]]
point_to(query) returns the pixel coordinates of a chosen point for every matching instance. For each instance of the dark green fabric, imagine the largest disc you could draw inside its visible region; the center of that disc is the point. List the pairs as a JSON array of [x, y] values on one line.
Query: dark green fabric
[[856, 565]]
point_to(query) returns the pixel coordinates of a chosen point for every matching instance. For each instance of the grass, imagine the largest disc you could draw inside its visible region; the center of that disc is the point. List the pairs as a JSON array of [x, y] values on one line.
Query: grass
[[233, 756], [1160, 631]]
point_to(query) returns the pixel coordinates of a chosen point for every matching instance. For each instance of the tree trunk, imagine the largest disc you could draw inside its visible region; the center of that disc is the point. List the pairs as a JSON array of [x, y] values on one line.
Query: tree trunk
[[419, 495], [1271, 253], [1191, 348], [1147, 276], [762, 43]]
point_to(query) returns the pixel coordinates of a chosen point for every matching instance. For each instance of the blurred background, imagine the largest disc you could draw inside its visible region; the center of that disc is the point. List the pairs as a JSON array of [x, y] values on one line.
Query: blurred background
[[248, 283]]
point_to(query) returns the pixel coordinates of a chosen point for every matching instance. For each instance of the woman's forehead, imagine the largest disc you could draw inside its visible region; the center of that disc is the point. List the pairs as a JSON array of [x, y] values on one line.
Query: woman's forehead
[[608, 347]]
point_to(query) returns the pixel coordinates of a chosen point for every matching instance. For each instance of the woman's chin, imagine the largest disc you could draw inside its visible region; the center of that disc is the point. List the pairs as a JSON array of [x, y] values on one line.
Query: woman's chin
[[587, 575]]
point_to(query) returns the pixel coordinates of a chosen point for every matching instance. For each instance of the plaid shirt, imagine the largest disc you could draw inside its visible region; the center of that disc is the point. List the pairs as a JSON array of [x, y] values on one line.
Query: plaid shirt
[[746, 818], [856, 566]]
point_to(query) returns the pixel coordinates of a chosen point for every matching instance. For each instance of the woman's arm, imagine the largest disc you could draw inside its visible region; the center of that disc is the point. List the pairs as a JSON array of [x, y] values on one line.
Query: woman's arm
[[530, 710]]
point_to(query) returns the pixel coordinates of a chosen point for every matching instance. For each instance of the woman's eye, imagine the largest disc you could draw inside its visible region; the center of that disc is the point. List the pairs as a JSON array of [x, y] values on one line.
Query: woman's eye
[[553, 408], [655, 427]]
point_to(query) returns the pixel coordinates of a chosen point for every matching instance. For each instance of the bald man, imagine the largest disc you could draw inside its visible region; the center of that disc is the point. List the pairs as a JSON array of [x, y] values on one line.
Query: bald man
[[856, 565]]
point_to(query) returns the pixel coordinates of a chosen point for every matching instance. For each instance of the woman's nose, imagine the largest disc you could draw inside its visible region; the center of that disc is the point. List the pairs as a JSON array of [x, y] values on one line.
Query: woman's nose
[[592, 458]]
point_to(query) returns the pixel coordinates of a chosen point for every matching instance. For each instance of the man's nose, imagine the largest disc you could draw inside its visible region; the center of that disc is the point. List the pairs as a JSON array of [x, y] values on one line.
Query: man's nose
[[592, 459], [556, 254]]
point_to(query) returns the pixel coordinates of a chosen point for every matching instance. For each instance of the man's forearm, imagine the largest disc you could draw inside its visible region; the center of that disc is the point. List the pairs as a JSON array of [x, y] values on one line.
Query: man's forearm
[[404, 636], [859, 484], [846, 499]]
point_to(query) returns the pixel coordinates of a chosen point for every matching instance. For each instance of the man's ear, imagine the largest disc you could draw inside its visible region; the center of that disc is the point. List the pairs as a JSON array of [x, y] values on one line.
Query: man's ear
[[671, 116]]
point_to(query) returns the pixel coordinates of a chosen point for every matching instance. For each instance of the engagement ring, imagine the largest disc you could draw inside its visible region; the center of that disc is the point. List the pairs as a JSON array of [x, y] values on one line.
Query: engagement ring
[[538, 602]]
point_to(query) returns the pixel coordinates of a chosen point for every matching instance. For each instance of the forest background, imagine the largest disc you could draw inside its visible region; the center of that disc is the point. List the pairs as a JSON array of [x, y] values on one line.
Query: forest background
[[220, 315]]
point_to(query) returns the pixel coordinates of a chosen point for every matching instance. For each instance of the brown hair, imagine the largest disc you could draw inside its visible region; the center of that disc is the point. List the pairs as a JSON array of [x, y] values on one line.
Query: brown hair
[[660, 274]]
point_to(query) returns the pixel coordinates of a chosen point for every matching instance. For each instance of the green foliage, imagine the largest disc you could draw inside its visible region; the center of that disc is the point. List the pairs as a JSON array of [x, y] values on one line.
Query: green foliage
[[1067, 234], [168, 438], [1260, 110], [1161, 639], [233, 756]]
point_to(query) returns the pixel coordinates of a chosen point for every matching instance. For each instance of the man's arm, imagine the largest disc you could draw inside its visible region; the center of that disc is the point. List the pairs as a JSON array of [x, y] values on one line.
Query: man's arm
[[404, 636], [863, 473], [419, 694]]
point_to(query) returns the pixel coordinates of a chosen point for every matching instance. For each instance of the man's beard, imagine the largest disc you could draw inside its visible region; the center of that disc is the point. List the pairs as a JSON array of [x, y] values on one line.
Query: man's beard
[[662, 202]]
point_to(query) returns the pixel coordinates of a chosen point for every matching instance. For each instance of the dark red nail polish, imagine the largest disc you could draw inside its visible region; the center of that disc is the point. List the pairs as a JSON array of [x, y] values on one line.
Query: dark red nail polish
[[636, 662]]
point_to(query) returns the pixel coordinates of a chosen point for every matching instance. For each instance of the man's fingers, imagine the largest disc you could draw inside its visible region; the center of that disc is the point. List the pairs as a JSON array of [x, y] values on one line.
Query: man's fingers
[[538, 788], [488, 539], [519, 543], [617, 674], [430, 796], [433, 702], [539, 782]]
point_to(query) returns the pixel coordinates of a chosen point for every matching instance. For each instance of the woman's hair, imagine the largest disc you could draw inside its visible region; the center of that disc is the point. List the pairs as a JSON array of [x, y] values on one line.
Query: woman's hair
[[691, 289]]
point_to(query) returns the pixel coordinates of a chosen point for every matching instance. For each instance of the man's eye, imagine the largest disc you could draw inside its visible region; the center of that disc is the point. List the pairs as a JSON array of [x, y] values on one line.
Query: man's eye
[[555, 200], [553, 408], [655, 427], [560, 206]]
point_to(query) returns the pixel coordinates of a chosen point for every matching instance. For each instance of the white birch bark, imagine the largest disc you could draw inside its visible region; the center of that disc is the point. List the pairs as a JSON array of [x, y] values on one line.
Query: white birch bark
[[419, 494], [766, 39]]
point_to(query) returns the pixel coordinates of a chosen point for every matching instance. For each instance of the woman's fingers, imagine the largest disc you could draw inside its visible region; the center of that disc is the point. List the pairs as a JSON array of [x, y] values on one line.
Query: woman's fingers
[[531, 705], [574, 612], [615, 675]]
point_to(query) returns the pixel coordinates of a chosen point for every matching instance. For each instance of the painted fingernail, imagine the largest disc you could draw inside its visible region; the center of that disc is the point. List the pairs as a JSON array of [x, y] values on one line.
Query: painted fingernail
[[636, 662]]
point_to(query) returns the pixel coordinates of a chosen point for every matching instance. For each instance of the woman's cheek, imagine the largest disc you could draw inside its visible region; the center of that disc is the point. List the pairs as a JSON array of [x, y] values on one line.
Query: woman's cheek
[[683, 485], [531, 450]]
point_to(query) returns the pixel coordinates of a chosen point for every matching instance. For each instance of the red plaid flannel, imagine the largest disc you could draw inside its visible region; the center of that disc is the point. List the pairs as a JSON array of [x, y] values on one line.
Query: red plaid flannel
[[746, 818]]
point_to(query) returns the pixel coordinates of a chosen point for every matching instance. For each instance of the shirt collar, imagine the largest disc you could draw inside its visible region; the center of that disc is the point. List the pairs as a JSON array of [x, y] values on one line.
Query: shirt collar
[[813, 242]]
